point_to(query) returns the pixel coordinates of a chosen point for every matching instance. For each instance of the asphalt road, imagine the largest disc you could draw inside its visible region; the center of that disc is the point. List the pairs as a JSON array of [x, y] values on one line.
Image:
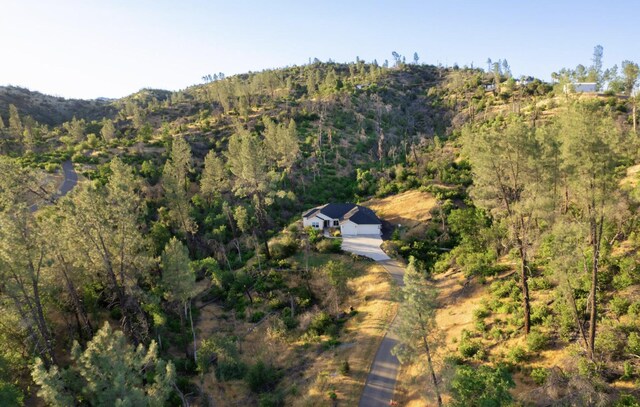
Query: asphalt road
[[70, 178], [381, 381], [70, 181]]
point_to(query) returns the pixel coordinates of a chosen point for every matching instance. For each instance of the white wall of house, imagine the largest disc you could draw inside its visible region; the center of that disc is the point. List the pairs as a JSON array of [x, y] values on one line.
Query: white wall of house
[[580, 87], [349, 228], [314, 222]]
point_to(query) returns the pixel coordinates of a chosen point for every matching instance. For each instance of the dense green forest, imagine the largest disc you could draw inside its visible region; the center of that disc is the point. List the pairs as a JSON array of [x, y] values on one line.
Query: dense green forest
[[179, 254]]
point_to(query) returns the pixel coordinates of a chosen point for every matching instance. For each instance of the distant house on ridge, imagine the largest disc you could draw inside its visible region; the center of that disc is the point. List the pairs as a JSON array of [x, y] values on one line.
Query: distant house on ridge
[[581, 87]]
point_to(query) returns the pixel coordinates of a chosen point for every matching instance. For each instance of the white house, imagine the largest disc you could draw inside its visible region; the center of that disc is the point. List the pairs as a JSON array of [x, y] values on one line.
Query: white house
[[350, 218], [581, 87]]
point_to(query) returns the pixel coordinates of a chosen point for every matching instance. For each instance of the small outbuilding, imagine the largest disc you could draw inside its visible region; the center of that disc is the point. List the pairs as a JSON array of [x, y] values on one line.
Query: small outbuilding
[[350, 219]]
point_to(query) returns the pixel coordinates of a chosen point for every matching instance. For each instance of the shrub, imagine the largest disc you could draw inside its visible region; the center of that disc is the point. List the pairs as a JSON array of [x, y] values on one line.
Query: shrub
[[51, 167], [539, 314], [619, 306], [628, 370], [286, 247], [320, 323], [344, 367], [610, 342], [536, 341], [483, 386], [517, 355], [262, 377], [230, 370], [539, 375], [256, 316], [633, 343], [468, 348], [481, 313], [539, 283], [627, 400], [271, 400], [634, 309], [329, 246]]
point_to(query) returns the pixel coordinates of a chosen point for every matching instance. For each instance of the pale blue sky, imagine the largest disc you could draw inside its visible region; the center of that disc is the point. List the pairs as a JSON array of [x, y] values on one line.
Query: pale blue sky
[[112, 48]]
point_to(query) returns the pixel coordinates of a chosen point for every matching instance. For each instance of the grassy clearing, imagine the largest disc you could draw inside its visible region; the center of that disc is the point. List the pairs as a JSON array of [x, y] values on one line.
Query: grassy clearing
[[410, 209]]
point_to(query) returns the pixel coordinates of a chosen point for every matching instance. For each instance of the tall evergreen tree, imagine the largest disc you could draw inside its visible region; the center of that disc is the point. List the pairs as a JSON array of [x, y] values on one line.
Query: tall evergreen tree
[[417, 330], [108, 372], [179, 280], [175, 182]]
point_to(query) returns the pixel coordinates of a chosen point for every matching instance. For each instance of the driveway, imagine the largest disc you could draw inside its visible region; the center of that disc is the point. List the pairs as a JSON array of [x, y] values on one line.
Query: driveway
[[365, 245], [381, 380]]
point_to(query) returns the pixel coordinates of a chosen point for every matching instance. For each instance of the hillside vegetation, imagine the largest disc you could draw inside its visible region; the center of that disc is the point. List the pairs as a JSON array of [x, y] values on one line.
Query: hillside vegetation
[[181, 250]]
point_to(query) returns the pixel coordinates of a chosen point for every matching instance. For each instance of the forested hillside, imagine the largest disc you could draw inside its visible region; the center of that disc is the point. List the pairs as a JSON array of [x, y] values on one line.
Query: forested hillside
[[177, 271]]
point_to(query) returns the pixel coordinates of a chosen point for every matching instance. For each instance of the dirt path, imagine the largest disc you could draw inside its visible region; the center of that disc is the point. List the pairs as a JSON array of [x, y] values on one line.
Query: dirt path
[[381, 381]]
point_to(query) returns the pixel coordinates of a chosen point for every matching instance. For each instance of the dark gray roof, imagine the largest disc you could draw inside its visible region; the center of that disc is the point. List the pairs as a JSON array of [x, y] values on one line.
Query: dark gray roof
[[346, 211], [362, 216]]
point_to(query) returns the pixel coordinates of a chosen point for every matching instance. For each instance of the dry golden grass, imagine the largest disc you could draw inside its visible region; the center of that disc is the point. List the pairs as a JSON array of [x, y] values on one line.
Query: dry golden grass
[[632, 177], [458, 299], [360, 340], [409, 208], [311, 371]]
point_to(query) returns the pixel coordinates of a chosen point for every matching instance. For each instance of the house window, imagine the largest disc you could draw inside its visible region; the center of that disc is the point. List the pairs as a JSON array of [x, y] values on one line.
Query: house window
[[336, 223], [315, 225]]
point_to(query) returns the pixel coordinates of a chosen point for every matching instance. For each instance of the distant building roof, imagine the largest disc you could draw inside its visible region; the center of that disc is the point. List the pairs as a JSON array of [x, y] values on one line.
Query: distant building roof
[[345, 211]]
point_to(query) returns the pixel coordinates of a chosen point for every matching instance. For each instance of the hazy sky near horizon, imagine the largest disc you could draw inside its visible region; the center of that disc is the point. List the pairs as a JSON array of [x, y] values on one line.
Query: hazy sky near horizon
[[111, 48]]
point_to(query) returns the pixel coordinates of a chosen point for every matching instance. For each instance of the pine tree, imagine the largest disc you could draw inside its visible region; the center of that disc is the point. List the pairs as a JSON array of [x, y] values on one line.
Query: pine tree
[[417, 330], [175, 183], [106, 238], [590, 154], [179, 279], [248, 163], [508, 183], [108, 130], [108, 372], [15, 124], [214, 178]]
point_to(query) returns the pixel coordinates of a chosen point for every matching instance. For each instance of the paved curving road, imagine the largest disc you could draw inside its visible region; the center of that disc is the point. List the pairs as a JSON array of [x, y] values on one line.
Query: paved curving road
[[70, 178], [70, 182], [381, 381]]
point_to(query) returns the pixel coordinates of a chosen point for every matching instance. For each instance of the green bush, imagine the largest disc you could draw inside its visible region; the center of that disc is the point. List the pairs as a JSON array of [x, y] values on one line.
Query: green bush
[[619, 306], [329, 246], [633, 343], [628, 370], [627, 400], [275, 399], [468, 348], [539, 283], [262, 377], [536, 341], [539, 375], [286, 247], [51, 167], [344, 367], [256, 316], [539, 314], [634, 309], [481, 313], [481, 387], [230, 370], [320, 323], [517, 354]]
